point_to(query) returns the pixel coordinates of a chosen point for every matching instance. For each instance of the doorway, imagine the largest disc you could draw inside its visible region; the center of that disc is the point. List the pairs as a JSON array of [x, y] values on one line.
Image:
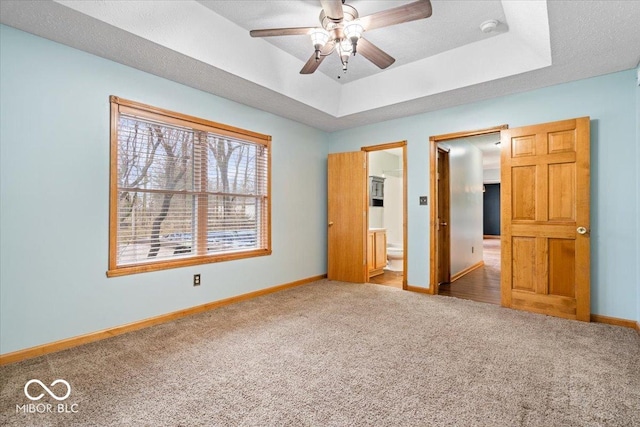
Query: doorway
[[483, 283], [387, 245], [464, 263], [545, 211]]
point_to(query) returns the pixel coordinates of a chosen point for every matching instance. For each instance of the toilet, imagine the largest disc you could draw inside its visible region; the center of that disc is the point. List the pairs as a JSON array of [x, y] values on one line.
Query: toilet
[[395, 258]]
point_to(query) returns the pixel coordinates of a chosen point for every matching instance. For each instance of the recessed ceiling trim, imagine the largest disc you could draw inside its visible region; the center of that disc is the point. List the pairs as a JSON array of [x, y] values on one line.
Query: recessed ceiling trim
[[498, 57], [529, 20], [526, 47], [191, 29], [194, 30], [588, 39]]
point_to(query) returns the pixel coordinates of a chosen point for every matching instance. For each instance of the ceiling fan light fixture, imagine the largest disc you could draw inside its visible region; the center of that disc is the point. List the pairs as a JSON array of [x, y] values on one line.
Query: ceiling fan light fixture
[[344, 49], [341, 30], [353, 31], [319, 38]]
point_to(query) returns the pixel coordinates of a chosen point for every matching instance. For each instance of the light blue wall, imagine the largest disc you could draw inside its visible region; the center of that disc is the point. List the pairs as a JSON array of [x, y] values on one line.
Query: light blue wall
[[54, 182], [54, 159], [610, 101]]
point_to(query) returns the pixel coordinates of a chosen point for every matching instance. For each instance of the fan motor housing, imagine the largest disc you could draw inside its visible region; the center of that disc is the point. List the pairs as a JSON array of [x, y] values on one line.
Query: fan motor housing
[[349, 12]]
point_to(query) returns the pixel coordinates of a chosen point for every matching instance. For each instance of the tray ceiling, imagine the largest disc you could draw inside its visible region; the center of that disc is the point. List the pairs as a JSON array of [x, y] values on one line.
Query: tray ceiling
[[442, 61], [450, 27]]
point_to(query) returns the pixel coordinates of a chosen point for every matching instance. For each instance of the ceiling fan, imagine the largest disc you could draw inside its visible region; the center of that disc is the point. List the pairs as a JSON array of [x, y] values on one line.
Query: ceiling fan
[[341, 31]]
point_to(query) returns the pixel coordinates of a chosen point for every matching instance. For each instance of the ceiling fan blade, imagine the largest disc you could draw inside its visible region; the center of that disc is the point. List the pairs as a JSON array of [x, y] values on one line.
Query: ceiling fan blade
[[333, 9], [409, 12], [374, 54], [312, 65], [299, 31]]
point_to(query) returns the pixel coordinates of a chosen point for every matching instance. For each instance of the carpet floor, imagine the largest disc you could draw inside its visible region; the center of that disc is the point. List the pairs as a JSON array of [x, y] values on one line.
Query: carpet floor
[[337, 354]]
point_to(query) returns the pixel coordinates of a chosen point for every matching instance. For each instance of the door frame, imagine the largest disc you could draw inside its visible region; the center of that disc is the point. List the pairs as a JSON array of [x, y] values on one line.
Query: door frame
[[433, 144], [405, 224]]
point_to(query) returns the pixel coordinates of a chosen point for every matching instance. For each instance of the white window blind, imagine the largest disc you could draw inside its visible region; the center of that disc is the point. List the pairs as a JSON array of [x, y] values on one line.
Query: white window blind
[[186, 192]]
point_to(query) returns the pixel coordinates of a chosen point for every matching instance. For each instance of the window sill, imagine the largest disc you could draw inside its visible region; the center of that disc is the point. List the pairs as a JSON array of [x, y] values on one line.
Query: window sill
[[165, 265]]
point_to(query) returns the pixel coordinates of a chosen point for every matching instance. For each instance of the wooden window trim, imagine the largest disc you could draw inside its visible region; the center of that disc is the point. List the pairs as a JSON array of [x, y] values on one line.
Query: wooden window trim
[[146, 111], [154, 112]]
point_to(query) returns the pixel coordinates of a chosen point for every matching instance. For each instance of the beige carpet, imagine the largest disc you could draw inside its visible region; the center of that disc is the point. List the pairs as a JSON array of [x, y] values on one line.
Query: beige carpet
[[336, 354]]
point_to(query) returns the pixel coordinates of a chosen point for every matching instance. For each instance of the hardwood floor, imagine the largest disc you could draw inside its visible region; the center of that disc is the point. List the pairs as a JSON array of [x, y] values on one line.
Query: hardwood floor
[[482, 284], [388, 278]]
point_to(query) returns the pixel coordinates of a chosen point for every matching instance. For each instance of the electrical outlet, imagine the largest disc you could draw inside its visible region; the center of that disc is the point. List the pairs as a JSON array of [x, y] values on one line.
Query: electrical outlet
[[196, 280], [424, 200]]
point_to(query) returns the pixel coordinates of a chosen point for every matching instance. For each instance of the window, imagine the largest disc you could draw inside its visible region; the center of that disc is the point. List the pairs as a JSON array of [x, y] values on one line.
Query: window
[[184, 191]]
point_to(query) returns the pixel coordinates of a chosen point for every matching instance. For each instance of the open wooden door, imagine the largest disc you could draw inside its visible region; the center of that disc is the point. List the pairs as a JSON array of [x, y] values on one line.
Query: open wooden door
[[443, 245], [347, 216], [545, 218]]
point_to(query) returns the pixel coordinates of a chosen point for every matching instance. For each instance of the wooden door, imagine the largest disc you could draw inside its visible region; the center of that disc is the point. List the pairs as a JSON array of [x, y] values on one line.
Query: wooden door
[[443, 255], [347, 216], [545, 218]]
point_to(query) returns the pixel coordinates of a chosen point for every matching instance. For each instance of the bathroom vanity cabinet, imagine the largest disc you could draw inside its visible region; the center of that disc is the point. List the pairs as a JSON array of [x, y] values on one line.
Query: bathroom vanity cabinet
[[376, 251]]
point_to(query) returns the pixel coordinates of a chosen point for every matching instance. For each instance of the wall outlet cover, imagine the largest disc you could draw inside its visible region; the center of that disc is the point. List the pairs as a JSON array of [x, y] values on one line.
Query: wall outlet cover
[[424, 200]]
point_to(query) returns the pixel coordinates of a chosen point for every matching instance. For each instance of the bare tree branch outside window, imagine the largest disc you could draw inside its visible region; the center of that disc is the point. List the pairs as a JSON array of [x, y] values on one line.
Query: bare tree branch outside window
[[170, 178]]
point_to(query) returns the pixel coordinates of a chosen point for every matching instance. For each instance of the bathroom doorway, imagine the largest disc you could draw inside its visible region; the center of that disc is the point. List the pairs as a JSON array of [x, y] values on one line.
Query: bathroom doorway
[[387, 214]]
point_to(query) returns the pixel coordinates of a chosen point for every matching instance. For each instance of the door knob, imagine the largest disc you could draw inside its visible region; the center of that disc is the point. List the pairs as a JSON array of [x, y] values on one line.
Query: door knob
[[444, 224], [582, 230], [330, 223]]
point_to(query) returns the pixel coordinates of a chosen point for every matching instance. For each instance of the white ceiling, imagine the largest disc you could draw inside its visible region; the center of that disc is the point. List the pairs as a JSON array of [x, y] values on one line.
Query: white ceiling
[[196, 43], [448, 28]]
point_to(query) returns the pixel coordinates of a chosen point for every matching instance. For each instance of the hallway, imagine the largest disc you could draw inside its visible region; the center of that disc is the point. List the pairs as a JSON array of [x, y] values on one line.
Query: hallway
[[482, 284]]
